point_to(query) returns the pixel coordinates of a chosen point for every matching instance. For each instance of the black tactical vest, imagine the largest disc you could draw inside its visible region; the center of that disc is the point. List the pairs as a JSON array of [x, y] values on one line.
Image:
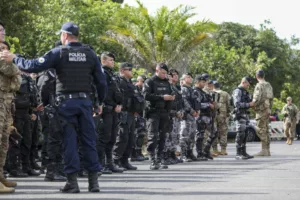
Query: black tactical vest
[[177, 104], [114, 94], [161, 87], [138, 101], [190, 97], [245, 96], [205, 98], [22, 100], [74, 73]]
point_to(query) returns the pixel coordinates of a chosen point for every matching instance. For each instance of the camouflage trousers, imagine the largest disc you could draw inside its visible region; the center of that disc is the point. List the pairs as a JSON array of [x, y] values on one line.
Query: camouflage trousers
[[222, 126], [207, 125], [187, 133], [5, 123], [262, 126], [289, 128], [172, 140]]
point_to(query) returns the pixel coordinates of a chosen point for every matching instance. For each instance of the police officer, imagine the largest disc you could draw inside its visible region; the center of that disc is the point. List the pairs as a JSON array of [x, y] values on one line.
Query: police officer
[[188, 124], [157, 90], [205, 122], [176, 115], [52, 140], [76, 67], [125, 138], [242, 102], [140, 122], [19, 152], [112, 106]]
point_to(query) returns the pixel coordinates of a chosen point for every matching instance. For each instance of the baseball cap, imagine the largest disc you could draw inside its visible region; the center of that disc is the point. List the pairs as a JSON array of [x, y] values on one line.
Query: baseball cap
[[69, 28], [200, 78], [163, 66], [260, 73], [289, 98], [125, 65], [217, 84]]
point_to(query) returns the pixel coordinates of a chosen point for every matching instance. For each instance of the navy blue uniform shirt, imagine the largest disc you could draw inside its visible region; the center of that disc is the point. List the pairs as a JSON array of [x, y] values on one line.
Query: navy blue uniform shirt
[[52, 59]]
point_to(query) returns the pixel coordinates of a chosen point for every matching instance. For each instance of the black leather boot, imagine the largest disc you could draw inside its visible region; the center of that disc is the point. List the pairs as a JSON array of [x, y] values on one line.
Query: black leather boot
[[71, 184], [53, 175], [125, 164], [244, 153], [239, 154], [93, 182], [191, 155]]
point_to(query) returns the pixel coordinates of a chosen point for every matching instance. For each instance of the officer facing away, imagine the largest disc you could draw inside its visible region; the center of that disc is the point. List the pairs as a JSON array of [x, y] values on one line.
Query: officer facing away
[[76, 67], [157, 90], [242, 102]]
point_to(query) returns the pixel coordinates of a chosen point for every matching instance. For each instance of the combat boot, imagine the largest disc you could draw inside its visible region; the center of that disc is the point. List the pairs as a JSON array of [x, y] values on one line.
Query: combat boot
[[7, 183], [223, 152], [34, 165], [30, 171], [174, 157], [245, 154], [126, 165], [114, 168], [4, 189], [200, 157], [165, 160], [239, 155], [93, 182], [264, 151], [191, 155], [287, 140], [206, 152], [154, 165], [53, 175], [82, 173], [291, 141], [139, 155], [161, 165], [18, 173], [71, 184], [183, 156]]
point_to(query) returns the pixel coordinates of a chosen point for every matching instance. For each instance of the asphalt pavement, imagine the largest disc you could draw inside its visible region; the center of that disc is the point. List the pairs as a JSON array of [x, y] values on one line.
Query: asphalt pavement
[[276, 177]]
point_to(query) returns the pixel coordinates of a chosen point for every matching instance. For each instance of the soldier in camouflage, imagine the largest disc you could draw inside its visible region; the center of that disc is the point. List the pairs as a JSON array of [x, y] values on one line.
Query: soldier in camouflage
[[263, 99], [290, 112], [223, 113], [10, 81]]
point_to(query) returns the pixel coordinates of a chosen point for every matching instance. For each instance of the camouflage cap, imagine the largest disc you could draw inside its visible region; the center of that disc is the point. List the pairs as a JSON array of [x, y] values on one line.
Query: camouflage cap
[[289, 99]]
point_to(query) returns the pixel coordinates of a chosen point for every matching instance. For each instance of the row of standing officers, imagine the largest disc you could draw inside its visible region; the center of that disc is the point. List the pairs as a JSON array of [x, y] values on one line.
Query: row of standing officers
[[198, 110]]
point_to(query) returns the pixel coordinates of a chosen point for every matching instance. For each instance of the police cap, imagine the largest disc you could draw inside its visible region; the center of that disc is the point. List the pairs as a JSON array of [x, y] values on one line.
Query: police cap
[[217, 84], [205, 75], [260, 73], [126, 65], [210, 82], [107, 54], [247, 78], [200, 78], [69, 28], [162, 66]]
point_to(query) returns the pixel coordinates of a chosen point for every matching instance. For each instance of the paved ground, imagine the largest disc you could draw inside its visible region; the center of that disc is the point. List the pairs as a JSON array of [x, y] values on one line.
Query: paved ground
[[277, 177]]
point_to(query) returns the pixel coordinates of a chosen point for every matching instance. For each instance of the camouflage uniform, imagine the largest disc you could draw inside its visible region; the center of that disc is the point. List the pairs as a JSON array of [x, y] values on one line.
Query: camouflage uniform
[[221, 119], [10, 82], [290, 112], [263, 98]]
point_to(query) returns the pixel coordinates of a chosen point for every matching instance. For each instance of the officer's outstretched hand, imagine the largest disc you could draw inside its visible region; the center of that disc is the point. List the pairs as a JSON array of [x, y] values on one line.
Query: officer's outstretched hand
[[7, 56]]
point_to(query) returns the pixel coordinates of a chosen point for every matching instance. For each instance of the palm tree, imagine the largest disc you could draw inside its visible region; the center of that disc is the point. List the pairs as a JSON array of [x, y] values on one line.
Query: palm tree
[[165, 37]]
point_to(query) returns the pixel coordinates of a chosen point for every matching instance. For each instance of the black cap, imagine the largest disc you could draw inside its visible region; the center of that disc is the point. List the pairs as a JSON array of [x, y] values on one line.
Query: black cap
[[69, 28], [260, 73], [217, 84], [171, 71], [163, 66], [200, 78], [108, 54], [125, 65], [247, 78], [205, 75], [188, 74], [211, 82]]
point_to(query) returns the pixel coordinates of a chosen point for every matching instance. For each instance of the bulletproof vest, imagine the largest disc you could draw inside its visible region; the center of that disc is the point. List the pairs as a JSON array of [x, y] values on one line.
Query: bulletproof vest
[[48, 85], [22, 99], [161, 87], [205, 98], [245, 96], [138, 101], [177, 104], [127, 88], [114, 93], [191, 96], [197, 98], [74, 73]]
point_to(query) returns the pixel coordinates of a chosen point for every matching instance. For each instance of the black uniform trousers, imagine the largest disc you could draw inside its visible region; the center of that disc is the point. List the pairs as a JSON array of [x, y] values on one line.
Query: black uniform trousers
[[158, 126], [107, 136], [125, 138]]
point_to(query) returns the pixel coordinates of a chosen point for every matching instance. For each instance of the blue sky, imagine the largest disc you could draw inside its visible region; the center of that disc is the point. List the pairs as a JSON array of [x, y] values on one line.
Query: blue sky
[[284, 15]]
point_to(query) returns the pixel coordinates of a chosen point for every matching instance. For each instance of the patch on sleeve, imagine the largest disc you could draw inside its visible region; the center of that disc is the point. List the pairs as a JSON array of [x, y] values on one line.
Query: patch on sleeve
[[41, 60]]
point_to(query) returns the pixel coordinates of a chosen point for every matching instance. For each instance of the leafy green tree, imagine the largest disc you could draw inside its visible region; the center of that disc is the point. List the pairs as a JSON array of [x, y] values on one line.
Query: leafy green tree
[[165, 37]]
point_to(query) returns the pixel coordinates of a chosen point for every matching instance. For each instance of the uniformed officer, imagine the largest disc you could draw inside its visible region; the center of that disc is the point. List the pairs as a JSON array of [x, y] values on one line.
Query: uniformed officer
[[112, 106], [290, 112], [242, 102], [223, 114], [76, 67], [52, 140], [176, 115], [125, 137], [10, 82], [188, 124], [157, 90], [263, 98]]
